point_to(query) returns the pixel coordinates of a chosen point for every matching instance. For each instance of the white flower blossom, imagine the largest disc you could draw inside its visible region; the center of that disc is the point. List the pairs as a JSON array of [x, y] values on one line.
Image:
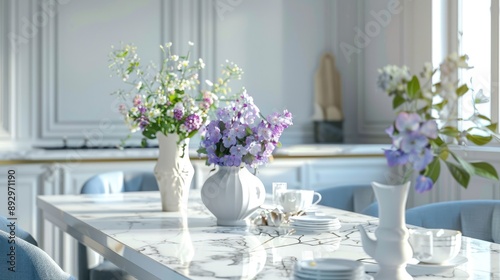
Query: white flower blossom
[[162, 99]]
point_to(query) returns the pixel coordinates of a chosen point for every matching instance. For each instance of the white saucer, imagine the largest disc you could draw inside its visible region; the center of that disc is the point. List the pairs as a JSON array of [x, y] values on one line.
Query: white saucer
[[297, 277], [415, 267], [314, 219]]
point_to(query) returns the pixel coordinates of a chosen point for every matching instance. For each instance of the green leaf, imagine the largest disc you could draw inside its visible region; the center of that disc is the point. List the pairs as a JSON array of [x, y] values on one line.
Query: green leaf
[[144, 142], [397, 101], [492, 127], [444, 154], [278, 145], [248, 130], [440, 106], [463, 89], [478, 139], [450, 131], [460, 175], [202, 150], [122, 54], [485, 170], [433, 169], [438, 141], [483, 117], [414, 88], [465, 165]]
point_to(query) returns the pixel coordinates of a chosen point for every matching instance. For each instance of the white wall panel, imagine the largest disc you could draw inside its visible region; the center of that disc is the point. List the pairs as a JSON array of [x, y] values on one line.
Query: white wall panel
[[77, 83]]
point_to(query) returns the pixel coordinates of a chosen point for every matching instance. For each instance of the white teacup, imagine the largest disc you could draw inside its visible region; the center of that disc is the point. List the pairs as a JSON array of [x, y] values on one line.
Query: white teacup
[[435, 246], [293, 201]]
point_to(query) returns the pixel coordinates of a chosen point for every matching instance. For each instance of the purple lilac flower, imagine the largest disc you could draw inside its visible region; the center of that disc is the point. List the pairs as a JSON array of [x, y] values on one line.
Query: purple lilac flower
[[224, 114], [238, 138], [429, 129], [137, 100], [228, 140], [238, 130], [268, 149], [192, 122], [423, 184], [396, 157], [141, 109], [274, 118], [207, 100], [231, 160], [413, 142], [421, 160], [390, 130], [178, 111], [213, 131], [143, 122], [238, 151], [287, 119], [264, 132], [254, 148], [178, 114], [407, 121]]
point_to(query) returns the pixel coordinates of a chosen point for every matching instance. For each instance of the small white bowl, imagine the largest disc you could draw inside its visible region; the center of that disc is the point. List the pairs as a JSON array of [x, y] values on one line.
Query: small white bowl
[[446, 244]]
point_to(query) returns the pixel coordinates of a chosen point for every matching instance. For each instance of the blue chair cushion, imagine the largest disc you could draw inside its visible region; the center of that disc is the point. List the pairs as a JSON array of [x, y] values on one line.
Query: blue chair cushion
[[4, 226], [31, 262]]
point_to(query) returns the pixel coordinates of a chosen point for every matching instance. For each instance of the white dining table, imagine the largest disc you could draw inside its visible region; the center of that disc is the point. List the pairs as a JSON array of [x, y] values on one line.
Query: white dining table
[[130, 230]]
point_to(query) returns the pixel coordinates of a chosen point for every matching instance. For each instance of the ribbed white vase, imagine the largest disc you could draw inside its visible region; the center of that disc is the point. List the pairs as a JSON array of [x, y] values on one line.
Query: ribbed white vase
[[174, 172], [232, 194]]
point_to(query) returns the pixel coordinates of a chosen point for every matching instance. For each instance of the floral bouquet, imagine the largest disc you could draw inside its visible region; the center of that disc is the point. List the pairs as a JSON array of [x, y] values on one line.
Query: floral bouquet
[[427, 123], [239, 135], [161, 101]]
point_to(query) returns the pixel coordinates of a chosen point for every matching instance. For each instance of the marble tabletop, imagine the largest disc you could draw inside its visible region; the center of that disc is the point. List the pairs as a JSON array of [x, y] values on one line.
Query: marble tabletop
[[130, 230]]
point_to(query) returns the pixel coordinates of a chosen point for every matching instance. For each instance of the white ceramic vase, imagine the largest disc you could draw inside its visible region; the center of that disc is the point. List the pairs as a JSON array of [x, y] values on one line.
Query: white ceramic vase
[[391, 248], [232, 194], [174, 172]]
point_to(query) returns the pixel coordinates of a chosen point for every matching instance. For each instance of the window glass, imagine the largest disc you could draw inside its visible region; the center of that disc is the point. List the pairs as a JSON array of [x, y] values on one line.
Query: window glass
[[475, 41]]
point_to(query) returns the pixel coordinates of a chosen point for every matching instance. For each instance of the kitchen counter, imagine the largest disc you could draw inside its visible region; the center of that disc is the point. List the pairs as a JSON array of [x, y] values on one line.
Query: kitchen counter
[[294, 151]]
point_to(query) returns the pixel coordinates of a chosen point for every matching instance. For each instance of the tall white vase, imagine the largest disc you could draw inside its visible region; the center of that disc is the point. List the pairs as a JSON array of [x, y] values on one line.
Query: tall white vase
[[391, 248], [174, 172], [232, 194]]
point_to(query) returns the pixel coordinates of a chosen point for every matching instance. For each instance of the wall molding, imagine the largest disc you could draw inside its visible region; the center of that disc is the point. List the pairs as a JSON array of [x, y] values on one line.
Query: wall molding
[[50, 126]]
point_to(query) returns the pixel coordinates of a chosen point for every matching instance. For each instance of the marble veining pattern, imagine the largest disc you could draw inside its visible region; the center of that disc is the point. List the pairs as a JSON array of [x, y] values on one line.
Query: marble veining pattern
[[192, 245]]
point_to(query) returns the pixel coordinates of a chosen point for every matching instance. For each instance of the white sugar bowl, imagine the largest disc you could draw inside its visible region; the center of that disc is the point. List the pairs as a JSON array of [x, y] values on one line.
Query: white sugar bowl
[[435, 246]]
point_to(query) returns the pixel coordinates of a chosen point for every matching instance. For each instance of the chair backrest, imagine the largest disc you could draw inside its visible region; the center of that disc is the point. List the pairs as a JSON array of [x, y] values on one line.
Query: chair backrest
[[5, 225], [30, 262], [118, 181], [353, 198], [474, 218]]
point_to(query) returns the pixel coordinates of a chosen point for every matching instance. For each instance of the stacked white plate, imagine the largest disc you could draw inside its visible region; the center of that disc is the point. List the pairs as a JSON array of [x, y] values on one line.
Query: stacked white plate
[[314, 223], [329, 269]]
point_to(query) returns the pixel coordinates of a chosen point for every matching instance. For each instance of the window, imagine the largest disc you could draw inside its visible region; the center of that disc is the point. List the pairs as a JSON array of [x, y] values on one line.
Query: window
[[476, 24]]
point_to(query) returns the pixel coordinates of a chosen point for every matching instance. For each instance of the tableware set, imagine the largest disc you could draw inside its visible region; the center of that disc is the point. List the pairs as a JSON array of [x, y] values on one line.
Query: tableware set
[[435, 246], [315, 223], [329, 269], [293, 201]]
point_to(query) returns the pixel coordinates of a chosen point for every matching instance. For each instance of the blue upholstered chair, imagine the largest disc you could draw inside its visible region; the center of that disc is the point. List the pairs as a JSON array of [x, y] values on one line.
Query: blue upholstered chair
[[21, 233], [31, 262], [353, 198], [106, 183], [474, 218]]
